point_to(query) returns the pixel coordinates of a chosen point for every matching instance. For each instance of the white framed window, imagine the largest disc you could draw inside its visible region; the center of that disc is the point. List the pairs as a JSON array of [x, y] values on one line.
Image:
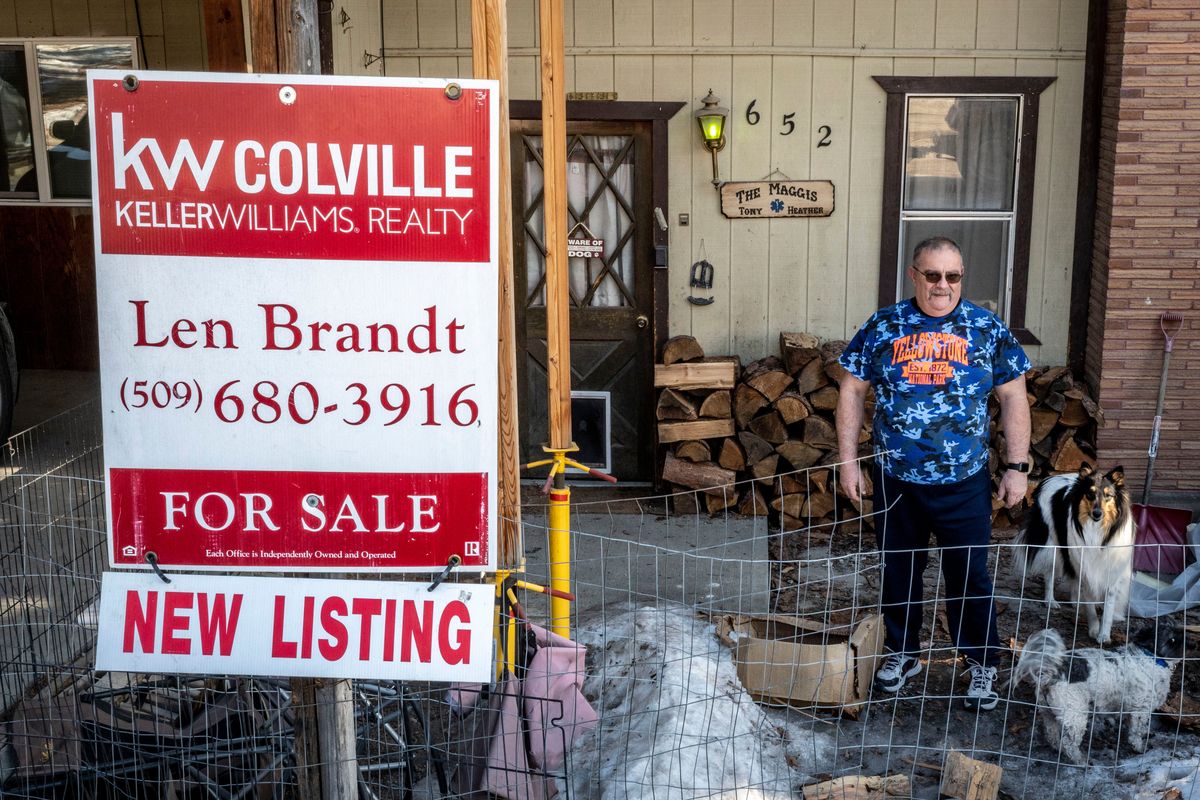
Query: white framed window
[[959, 155], [45, 155]]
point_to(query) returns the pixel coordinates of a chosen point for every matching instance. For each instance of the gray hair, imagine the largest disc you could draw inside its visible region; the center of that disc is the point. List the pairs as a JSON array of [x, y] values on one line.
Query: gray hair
[[934, 243]]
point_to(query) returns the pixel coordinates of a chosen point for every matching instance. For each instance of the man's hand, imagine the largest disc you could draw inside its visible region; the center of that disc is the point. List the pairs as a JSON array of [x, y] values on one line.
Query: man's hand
[[850, 478], [1013, 486]]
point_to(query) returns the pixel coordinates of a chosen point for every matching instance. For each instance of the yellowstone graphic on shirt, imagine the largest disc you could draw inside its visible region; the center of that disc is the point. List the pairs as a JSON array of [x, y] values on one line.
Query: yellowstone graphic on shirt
[[932, 377], [935, 351]]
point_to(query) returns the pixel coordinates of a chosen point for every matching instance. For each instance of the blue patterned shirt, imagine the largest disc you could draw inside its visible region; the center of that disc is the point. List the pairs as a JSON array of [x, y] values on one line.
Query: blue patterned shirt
[[932, 377]]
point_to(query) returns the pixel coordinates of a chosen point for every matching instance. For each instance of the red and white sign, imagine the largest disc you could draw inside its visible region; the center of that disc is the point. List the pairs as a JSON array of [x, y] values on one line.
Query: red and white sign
[[297, 292], [243, 625]]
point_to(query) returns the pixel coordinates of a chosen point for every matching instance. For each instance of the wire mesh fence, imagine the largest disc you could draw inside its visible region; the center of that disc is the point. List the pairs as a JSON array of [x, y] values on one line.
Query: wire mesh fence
[[702, 643]]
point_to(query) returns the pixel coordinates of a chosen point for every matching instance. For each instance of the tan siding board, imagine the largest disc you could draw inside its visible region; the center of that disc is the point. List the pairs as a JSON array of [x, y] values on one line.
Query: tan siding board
[[1040, 212], [672, 80], [673, 22], [108, 18], [361, 33], [995, 66], [787, 289], [863, 192], [633, 23], [437, 24], [875, 23], [913, 67], [912, 24], [793, 23], [183, 34], [711, 324], [1037, 25], [439, 67], [1055, 295], [632, 78], [712, 22], [996, 26], [400, 23], [955, 26], [833, 23], [146, 14], [523, 78], [569, 22], [34, 18], [71, 18], [953, 66], [594, 23], [753, 22], [1072, 24], [400, 67], [154, 52], [8, 18], [827, 236], [750, 256], [594, 74], [522, 24], [463, 20]]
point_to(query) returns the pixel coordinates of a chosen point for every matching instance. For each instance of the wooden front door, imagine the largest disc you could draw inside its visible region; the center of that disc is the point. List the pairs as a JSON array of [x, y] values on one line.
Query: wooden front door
[[609, 184]]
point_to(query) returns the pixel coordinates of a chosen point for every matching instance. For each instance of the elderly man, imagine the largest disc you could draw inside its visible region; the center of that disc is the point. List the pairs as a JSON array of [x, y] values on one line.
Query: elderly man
[[933, 360]]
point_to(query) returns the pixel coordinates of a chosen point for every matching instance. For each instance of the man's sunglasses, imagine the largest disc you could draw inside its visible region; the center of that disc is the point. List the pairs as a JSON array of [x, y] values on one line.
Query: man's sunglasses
[[936, 277]]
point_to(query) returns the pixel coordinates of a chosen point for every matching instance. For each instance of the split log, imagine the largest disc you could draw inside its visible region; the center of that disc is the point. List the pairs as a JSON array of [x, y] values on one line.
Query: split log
[[812, 377], [717, 406], [790, 524], [821, 479], [732, 455], [685, 501], [819, 433], [789, 505], [770, 427], [673, 405], [798, 349], [755, 447], [830, 352], [771, 383], [753, 503], [1055, 400], [747, 401], [1041, 421], [700, 429], [694, 450], [1067, 455], [760, 366], [824, 399], [1073, 413], [717, 503], [681, 348], [969, 779], [792, 407], [712, 374], [817, 505], [799, 454], [705, 476], [791, 484], [764, 470]]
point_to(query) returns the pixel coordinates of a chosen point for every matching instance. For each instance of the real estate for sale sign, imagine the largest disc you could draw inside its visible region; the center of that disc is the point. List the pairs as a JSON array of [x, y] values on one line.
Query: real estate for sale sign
[[297, 291]]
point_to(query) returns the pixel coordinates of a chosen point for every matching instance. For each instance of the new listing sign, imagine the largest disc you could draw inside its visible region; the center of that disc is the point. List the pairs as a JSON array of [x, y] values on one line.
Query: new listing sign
[[311, 628], [297, 292]]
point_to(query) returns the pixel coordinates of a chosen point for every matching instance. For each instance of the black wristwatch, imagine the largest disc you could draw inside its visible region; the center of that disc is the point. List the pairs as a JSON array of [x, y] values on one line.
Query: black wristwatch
[[1019, 466]]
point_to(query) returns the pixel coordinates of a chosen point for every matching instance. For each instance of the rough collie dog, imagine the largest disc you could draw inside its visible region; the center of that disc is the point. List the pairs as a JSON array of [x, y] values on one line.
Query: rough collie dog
[[1081, 528], [1131, 681]]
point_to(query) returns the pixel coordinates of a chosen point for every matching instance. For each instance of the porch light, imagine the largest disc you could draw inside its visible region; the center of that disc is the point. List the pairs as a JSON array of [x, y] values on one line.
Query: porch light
[[711, 119]]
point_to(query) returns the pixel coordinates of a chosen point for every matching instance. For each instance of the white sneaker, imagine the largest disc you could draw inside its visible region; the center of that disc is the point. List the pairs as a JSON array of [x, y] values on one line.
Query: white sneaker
[[896, 670], [980, 694]]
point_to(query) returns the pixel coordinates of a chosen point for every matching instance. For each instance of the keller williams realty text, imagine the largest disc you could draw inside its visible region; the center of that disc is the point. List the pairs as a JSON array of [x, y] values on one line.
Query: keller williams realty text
[[392, 220]]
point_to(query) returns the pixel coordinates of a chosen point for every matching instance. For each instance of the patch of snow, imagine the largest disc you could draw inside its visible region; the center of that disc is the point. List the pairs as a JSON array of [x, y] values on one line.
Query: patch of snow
[[675, 722]]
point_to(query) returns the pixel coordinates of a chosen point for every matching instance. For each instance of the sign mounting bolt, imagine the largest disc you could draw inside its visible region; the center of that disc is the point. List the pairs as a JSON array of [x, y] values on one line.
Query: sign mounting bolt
[[130, 82], [453, 91], [287, 95]]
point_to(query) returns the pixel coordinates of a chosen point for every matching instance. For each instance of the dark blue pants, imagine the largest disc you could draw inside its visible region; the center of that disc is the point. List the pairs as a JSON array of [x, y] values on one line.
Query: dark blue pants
[[959, 515]]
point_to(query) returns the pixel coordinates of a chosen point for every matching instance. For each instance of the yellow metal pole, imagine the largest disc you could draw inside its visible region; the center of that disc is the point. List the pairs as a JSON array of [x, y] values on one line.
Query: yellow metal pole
[[560, 551]]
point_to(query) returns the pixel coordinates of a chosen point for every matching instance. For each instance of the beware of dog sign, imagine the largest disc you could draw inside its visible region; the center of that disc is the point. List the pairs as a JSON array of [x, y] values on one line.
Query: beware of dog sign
[[297, 299]]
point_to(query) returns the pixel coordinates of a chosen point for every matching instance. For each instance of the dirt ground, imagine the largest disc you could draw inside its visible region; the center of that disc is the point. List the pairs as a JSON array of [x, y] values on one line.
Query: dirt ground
[[910, 732]]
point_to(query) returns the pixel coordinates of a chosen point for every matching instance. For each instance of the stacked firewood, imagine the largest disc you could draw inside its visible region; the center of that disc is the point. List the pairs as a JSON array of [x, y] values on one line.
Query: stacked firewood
[[761, 440]]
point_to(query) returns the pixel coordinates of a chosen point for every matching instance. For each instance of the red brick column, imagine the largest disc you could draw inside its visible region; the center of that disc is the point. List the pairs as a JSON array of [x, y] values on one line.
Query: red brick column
[[1147, 241]]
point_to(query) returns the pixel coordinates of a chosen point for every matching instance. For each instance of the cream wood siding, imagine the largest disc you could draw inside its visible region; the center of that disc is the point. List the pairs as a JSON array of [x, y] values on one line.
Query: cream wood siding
[[172, 30], [815, 58]]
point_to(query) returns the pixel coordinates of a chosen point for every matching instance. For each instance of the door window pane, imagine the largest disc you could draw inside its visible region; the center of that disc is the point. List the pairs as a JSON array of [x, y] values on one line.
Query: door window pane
[[16, 130], [62, 82], [984, 244], [961, 153]]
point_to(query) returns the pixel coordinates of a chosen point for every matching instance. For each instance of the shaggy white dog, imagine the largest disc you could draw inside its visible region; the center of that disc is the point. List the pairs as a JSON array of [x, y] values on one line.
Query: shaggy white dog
[[1131, 681]]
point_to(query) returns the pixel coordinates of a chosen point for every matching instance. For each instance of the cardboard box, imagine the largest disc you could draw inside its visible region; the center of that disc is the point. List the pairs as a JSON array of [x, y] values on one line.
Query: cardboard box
[[803, 662]]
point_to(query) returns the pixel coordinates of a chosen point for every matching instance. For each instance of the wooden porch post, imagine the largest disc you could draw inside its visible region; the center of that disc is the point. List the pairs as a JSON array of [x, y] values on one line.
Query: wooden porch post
[[284, 39]]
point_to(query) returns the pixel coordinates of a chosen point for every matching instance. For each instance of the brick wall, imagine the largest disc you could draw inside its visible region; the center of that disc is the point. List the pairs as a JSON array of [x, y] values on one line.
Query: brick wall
[[1147, 241]]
